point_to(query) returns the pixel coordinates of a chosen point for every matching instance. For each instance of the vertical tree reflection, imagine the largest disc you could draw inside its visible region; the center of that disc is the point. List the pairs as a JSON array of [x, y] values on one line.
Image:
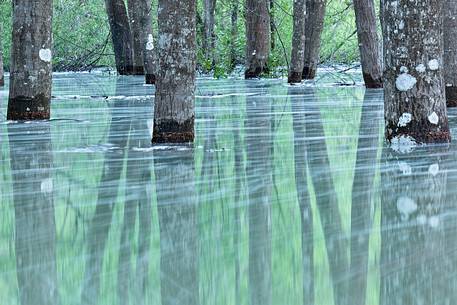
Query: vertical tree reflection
[[326, 198], [362, 208], [177, 209], [301, 181], [258, 142], [413, 260], [35, 240]]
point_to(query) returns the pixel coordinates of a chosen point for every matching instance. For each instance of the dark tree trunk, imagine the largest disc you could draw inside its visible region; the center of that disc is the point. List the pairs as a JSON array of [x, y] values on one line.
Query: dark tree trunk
[[178, 222], [135, 12], [121, 36], [175, 87], [2, 76], [314, 25], [148, 41], [298, 42], [415, 102], [365, 16], [35, 236], [272, 25], [363, 190], [450, 51], [257, 37], [209, 39], [31, 68], [234, 34]]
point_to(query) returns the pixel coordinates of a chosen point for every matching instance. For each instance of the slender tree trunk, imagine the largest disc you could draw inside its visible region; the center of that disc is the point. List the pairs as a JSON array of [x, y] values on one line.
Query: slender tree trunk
[[135, 12], [257, 37], [35, 235], [234, 34], [314, 25], [272, 25], [175, 88], [365, 16], [298, 42], [450, 51], [148, 41], [209, 9], [121, 36], [31, 68], [2, 76], [415, 102]]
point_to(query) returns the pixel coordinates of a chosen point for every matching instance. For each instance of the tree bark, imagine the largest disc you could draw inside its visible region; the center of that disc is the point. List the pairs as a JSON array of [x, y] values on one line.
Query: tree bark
[[450, 51], [121, 36], [298, 42], [31, 68], [135, 12], [272, 25], [175, 87], [415, 102], [365, 16], [209, 9], [314, 25], [148, 41], [234, 34], [257, 37], [2, 74]]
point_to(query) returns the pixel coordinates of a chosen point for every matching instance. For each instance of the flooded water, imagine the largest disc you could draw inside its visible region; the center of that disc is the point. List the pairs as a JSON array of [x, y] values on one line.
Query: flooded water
[[288, 196]]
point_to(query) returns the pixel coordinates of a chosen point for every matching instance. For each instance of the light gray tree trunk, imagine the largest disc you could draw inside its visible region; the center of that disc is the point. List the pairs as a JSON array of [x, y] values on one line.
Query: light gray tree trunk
[[121, 36], [414, 95], [450, 51], [175, 85], [298, 42], [257, 37], [209, 39], [31, 67], [2, 76], [365, 16], [314, 25]]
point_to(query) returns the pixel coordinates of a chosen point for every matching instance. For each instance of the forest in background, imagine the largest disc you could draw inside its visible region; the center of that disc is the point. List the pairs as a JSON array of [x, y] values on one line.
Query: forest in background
[[82, 38]]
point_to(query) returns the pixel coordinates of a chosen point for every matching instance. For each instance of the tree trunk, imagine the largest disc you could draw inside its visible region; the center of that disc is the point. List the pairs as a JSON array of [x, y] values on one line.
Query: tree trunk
[[257, 37], [414, 95], [365, 16], [209, 9], [121, 36], [135, 12], [272, 25], [31, 68], [314, 25], [148, 41], [175, 88], [450, 51], [234, 34], [2, 76], [298, 42]]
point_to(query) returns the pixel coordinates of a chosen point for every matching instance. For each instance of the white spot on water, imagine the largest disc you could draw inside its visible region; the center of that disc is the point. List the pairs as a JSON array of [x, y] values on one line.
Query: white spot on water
[[433, 118], [28, 109], [406, 206], [45, 55], [403, 144], [405, 82], [433, 64], [150, 43], [405, 119], [421, 68], [434, 169], [434, 221], [405, 168], [47, 186], [421, 219]]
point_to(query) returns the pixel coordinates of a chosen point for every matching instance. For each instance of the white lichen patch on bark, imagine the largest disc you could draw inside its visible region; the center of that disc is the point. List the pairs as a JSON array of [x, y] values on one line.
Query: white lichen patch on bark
[[150, 43], [421, 68], [405, 119], [45, 55], [433, 118], [405, 82], [434, 64]]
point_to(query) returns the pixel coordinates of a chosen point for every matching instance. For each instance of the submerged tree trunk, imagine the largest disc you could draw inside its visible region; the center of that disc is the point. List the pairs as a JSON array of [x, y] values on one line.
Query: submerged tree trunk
[[450, 51], [314, 25], [121, 36], [298, 42], [365, 16], [209, 9], [31, 68], [234, 34], [257, 37], [175, 88], [415, 103], [2, 76]]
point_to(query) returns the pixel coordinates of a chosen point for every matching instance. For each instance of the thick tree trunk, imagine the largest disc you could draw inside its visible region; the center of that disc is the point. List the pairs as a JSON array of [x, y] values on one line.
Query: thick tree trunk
[[2, 76], [365, 16], [121, 36], [35, 235], [298, 42], [314, 25], [209, 9], [234, 34], [415, 102], [175, 87], [450, 51], [31, 68], [257, 37], [135, 12]]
